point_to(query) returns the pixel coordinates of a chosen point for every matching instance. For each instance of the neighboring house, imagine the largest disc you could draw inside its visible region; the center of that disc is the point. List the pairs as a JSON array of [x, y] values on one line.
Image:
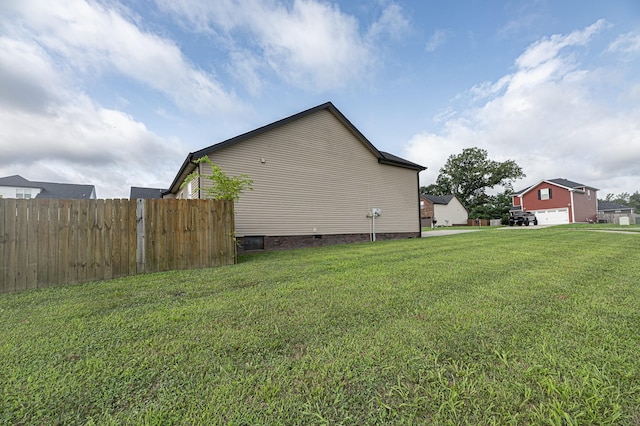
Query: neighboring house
[[558, 201], [18, 187], [609, 212], [139, 192], [444, 210], [316, 181]]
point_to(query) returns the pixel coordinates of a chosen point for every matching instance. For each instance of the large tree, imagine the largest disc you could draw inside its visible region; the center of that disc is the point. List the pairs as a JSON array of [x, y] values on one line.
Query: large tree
[[471, 173]]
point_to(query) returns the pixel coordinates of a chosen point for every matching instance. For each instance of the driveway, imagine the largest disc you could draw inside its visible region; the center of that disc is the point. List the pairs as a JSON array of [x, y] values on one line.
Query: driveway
[[442, 232]]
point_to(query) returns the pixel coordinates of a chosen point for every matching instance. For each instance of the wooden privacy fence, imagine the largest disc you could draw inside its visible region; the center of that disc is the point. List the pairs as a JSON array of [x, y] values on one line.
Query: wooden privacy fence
[[52, 242]]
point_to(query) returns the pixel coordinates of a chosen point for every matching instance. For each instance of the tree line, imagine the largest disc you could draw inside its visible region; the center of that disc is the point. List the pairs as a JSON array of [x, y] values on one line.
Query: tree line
[[626, 199]]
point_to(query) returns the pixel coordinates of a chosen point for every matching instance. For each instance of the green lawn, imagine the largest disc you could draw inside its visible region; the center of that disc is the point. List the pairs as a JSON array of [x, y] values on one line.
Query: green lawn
[[497, 327]]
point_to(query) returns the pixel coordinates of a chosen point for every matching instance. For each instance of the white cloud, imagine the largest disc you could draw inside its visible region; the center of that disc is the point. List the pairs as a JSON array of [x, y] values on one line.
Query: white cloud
[[309, 44], [91, 38], [81, 142], [549, 48], [392, 22], [23, 66], [51, 130], [437, 39], [554, 116], [628, 44]]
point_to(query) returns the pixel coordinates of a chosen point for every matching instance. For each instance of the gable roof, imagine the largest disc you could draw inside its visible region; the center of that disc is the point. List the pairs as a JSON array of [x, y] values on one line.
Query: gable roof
[[140, 192], [51, 189], [383, 157], [394, 160], [604, 206], [18, 181], [66, 191], [561, 182], [439, 199], [569, 184]]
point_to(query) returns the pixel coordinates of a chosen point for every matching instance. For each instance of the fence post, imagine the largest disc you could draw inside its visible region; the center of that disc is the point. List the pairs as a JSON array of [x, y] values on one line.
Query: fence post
[[140, 250]]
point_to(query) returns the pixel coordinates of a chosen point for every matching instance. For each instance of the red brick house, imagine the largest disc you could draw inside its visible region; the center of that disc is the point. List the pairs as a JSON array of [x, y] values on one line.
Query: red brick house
[[558, 201]]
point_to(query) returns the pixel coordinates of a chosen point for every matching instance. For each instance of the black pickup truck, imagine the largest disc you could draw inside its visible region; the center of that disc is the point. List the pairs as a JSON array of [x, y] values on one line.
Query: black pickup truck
[[522, 218]]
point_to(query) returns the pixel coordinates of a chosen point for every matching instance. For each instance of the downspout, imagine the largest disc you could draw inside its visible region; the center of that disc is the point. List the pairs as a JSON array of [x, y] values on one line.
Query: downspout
[[419, 209], [573, 209], [373, 227]]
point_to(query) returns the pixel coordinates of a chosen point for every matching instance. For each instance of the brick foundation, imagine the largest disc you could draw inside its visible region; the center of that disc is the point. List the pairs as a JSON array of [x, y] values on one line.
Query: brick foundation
[[303, 241]]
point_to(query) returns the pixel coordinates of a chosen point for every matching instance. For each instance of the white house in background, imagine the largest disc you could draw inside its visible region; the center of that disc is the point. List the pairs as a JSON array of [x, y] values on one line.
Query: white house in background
[[444, 210], [316, 181], [18, 187]]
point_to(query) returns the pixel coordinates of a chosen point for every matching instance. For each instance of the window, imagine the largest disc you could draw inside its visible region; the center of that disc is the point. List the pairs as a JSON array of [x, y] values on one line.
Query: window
[[544, 194], [589, 193], [23, 193], [421, 204]]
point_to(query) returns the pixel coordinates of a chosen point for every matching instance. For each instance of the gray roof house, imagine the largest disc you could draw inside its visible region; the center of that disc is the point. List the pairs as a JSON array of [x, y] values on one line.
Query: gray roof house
[[317, 180], [18, 187], [146, 193], [609, 212]]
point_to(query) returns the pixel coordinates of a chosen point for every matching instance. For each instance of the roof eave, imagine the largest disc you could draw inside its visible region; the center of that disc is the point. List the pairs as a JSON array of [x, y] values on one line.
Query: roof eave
[[389, 162], [187, 167]]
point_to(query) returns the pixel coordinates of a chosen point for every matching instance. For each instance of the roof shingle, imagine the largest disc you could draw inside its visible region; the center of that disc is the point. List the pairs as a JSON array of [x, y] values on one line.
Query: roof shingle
[[50, 189]]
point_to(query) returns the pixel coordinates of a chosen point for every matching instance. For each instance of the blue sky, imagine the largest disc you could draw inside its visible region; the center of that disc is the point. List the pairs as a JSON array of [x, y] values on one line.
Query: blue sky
[[117, 93]]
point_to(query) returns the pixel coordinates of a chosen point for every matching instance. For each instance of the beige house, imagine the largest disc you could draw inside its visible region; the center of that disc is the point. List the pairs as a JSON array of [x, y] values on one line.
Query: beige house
[[444, 210], [316, 181]]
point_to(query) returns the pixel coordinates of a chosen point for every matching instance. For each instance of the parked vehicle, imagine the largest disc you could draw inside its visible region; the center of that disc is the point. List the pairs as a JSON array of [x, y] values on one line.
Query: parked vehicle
[[522, 218]]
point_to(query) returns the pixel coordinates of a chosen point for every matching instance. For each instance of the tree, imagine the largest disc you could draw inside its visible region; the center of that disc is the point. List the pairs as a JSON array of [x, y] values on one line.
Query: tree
[[432, 189], [496, 207], [634, 201], [624, 198], [620, 198], [223, 187], [470, 174]]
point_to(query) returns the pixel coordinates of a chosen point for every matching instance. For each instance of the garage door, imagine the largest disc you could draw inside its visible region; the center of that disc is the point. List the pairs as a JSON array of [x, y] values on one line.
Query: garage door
[[552, 217]]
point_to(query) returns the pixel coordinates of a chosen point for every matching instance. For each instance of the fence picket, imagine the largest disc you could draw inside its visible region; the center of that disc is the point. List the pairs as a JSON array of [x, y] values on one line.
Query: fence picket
[[53, 260], [31, 249], [64, 264], [4, 246], [131, 227], [22, 217], [11, 246], [108, 239]]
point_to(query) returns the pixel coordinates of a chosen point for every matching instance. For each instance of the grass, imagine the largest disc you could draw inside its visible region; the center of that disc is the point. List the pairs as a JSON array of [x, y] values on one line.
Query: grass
[[478, 328]]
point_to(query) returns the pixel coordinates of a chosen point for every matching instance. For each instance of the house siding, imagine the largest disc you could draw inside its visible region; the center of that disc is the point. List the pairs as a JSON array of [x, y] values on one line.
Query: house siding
[[314, 177], [585, 209], [10, 191], [560, 198], [454, 213]]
